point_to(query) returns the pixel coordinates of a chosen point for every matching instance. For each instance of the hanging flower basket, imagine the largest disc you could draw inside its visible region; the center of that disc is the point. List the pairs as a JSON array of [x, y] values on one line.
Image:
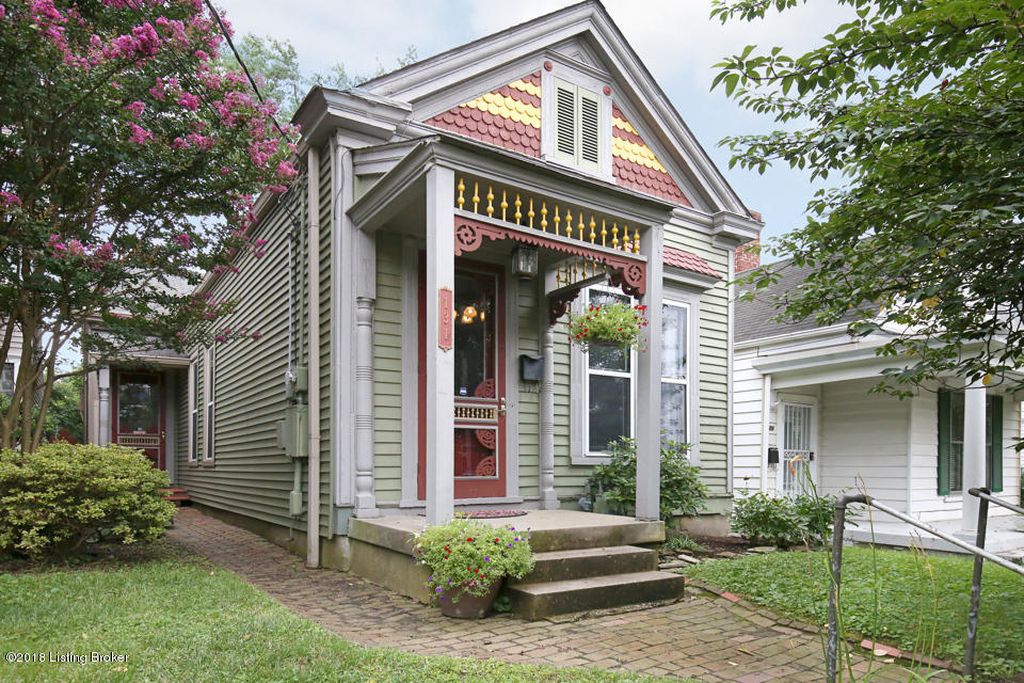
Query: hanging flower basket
[[615, 324]]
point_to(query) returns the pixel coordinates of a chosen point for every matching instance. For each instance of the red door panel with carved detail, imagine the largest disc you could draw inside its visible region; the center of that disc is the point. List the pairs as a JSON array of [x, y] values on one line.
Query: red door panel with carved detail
[[138, 414], [479, 387]]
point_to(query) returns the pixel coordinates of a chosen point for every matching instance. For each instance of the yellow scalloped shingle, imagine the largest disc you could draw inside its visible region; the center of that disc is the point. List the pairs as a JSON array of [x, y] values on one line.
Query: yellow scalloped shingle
[[638, 154], [622, 124], [526, 87], [497, 104]]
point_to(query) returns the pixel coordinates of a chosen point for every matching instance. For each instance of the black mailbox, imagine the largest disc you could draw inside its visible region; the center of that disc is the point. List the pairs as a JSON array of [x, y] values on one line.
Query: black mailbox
[[773, 455], [531, 368]]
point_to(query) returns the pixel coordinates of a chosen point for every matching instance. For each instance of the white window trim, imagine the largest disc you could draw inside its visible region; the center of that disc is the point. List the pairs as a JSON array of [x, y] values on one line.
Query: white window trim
[[209, 404], [580, 79], [193, 413], [677, 294], [685, 380]]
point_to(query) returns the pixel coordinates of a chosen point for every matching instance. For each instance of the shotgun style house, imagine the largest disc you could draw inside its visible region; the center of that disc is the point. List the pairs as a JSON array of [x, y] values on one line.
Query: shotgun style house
[[412, 301], [805, 415]]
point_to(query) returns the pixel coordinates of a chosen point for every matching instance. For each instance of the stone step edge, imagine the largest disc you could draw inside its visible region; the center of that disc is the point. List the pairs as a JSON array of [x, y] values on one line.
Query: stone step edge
[[542, 588]]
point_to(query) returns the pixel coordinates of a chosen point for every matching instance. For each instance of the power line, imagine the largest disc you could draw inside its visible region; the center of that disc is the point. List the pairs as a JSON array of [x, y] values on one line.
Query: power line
[[241, 62]]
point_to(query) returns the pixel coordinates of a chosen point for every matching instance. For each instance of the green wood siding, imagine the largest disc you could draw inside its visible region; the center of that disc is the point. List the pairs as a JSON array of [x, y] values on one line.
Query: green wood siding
[[387, 371], [250, 475]]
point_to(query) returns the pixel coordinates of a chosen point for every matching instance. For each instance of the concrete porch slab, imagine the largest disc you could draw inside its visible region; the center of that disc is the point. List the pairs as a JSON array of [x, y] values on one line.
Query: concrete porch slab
[[1005, 534], [549, 530]]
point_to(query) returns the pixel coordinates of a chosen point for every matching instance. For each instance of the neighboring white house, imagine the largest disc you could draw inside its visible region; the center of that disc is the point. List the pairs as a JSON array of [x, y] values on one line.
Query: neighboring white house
[[822, 423], [9, 369]]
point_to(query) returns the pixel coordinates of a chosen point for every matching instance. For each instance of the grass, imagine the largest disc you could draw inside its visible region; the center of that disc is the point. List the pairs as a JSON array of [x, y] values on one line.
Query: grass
[[184, 620], [902, 598]]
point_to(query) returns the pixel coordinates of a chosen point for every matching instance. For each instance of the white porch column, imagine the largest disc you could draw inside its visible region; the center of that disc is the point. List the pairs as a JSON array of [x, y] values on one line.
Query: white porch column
[[440, 362], [366, 503], [548, 496], [974, 451], [648, 407], [103, 436]]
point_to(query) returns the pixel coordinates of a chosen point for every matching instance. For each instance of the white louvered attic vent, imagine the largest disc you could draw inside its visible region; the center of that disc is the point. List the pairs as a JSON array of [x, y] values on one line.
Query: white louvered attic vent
[[577, 126]]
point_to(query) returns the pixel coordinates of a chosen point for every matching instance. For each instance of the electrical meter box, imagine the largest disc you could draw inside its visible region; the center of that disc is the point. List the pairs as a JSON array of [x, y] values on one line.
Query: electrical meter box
[[292, 431], [296, 381]]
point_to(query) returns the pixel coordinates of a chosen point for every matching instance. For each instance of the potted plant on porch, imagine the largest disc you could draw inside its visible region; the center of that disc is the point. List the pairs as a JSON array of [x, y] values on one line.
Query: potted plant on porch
[[468, 560], [613, 324]]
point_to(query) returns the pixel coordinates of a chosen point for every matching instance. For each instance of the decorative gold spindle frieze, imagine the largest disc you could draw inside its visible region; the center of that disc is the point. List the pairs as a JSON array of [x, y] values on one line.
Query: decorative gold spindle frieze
[[544, 215], [530, 214], [462, 193], [604, 232], [476, 196], [558, 220], [580, 227], [615, 235], [625, 238], [568, 222], [490, 201], [504, 206], [636, 241], [593, 232], [519, 213]]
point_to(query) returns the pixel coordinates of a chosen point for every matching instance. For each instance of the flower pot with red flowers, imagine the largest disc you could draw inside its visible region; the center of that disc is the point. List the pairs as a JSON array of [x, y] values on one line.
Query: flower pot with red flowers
[[614, 325], [468, 560]]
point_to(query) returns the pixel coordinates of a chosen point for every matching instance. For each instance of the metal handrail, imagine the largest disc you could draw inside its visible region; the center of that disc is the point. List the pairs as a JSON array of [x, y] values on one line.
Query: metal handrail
[[980, 555]]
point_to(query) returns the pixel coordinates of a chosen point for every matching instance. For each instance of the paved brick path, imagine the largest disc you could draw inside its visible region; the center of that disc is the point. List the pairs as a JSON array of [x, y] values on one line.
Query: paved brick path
[[702, 636]]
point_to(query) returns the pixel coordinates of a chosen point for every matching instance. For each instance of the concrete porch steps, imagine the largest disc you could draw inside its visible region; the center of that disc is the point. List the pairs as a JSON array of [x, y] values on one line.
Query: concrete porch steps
[[544, 599], [558, 565]]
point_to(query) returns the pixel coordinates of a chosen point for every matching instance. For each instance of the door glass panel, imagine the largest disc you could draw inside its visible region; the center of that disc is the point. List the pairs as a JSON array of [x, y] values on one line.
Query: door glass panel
[[138, 407], [609, 411], [475, 325], [476, 454], [796, 448]]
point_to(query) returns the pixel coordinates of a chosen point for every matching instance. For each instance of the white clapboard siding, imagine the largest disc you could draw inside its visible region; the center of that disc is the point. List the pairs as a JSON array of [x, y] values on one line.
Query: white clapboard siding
[[748, 449]]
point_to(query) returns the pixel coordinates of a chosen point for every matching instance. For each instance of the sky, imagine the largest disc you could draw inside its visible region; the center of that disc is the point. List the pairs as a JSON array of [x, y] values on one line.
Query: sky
[[676, 39]]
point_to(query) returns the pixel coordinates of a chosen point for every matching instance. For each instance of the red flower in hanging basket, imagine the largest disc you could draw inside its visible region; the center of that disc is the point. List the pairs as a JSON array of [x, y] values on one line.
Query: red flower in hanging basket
[[615, 324]]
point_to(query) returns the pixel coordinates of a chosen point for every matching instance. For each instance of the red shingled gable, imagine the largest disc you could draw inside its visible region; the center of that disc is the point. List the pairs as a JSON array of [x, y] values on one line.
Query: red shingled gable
[[493, 129], [678, 258], [639, 177]]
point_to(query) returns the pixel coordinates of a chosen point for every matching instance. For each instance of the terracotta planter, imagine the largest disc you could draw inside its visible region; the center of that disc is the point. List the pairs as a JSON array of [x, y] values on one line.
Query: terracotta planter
[[470, 606]]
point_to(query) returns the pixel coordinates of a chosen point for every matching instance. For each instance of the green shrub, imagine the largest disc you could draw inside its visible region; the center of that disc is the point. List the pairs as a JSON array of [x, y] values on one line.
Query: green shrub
[[783, 521], [682, 490], [53, 500], [468, 556]]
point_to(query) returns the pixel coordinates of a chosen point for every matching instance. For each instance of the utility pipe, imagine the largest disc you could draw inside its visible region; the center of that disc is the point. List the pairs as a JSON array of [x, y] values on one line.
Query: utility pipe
[[313, 356]]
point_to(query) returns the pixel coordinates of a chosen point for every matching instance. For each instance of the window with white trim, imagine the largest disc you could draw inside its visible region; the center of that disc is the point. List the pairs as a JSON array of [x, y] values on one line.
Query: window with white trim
[[7, 379], [609, 385], [209, 401], [675, 346], [610, 381], [194, 369], [577, 129]]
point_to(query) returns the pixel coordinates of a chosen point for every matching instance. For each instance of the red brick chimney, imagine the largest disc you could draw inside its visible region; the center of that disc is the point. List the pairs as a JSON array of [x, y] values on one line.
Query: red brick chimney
[[747, 256]]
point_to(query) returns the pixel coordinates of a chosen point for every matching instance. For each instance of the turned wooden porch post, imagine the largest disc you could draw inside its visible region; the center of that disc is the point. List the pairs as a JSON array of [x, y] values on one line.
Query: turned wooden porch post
[[974, 452], [648, 407], [439, 411]]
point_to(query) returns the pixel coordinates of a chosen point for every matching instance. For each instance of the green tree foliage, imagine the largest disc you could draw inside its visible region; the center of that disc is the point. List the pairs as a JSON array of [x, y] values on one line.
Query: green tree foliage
[[914, 110], [282, 78], [53, 500]]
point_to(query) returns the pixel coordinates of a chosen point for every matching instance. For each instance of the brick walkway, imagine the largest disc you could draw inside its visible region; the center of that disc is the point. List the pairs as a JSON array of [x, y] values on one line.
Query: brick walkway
[[702, 636]]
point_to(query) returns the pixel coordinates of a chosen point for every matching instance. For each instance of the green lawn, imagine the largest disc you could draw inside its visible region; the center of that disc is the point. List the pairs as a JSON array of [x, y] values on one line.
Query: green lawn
[[916, 602], [187, 621]]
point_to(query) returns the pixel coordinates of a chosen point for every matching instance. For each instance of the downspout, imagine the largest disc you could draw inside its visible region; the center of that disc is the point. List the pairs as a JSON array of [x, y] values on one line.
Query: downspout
[[766, 406], [729, 388], [313, 396]]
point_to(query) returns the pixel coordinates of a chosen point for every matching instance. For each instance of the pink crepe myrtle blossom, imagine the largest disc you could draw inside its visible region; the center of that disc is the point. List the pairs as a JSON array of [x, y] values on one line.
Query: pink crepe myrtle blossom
[[135, 109], [9, 199], [287, 170], [138, 134], [256, 335], [188, 101], [184, 240]]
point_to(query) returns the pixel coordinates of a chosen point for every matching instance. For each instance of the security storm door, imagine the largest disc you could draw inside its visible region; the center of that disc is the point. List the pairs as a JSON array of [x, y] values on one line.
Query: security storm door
[[798, 436], [138, 415], [479, 389]]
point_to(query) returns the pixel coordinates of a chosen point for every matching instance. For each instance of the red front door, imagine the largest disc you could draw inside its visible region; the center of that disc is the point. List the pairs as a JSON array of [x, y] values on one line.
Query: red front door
[[138, 414], [479, 388]]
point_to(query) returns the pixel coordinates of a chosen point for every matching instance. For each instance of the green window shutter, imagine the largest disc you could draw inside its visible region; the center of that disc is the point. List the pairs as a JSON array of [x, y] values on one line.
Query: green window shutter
[[995, 452], [945, 440]]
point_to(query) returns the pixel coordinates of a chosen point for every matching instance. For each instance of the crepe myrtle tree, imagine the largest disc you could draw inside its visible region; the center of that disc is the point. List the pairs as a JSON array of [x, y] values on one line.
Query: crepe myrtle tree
[[129, 159], [914, 111]]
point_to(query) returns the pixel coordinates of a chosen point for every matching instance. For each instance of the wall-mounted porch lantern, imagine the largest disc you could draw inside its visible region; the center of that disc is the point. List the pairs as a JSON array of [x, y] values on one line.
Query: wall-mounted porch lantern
[[525, 262]]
